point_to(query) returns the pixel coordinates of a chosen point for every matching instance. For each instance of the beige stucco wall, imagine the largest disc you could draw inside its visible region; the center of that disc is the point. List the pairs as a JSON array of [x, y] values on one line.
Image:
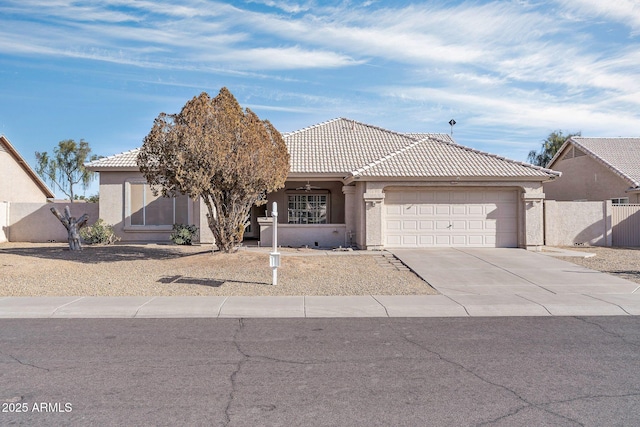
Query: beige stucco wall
[[15, 184], [583, 178], [34, 222], [577, 223], [300, 235], [112, 210], [4, 221]]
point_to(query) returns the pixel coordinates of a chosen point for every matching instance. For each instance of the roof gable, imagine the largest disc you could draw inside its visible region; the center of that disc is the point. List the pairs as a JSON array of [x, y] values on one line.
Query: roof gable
[[5, 145], [620, 155]]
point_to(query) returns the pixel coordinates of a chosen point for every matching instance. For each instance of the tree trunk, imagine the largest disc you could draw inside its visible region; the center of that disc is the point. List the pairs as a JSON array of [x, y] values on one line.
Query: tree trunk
[[72, 225]]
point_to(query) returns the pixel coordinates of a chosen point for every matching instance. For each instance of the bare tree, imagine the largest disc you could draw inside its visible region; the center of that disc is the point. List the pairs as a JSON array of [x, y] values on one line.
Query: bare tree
[[66, 168], [214, 150], [73, 226]]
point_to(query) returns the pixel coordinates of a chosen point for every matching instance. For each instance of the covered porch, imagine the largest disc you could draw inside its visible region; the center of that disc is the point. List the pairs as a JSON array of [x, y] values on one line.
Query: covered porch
[[316, 214]]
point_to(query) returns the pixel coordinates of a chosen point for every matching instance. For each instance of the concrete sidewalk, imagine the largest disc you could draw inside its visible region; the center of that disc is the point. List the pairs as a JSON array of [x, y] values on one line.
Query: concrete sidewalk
[[322, 306], [471, 282]]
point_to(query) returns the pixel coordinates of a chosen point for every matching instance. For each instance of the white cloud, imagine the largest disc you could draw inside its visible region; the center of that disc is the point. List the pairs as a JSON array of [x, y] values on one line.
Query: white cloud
[[283, 58], [626, 12], [520, 109], [289, 7]]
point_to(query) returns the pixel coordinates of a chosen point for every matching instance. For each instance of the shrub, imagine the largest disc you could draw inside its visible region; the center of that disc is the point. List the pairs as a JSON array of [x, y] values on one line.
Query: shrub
[[99, 233], [183, 234]]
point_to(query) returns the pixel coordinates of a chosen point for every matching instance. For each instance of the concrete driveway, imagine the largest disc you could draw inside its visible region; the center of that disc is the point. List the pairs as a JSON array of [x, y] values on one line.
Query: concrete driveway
[[480, 271]]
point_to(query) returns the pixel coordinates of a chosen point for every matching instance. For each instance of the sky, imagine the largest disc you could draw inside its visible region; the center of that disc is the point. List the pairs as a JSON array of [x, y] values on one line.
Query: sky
[[508, 72]]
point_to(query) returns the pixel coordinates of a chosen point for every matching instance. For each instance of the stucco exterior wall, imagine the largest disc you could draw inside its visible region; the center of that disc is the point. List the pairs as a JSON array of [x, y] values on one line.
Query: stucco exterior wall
[[583, 178], [113, 210], [300, 235], [15, 184], [34, 222], [577, 223], [4, 221]]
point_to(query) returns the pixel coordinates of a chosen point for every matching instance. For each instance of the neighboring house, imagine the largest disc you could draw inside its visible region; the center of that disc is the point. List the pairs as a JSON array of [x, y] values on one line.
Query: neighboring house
[[597, 169], [18, 182], [353, 184]]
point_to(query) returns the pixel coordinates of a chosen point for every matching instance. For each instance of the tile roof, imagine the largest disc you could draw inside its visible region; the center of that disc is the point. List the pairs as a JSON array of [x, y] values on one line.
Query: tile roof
[[432, 157], [340, 146], [346, 148], [126, 160], [621, 155], [445, 137]]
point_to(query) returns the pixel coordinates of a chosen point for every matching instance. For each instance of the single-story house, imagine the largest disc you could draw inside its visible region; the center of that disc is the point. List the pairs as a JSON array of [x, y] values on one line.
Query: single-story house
[[353, 184], [18, 181], [596, 169]]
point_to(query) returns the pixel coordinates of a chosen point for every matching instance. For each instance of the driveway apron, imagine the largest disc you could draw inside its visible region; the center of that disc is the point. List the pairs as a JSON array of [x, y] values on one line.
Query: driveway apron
[[503, 271]]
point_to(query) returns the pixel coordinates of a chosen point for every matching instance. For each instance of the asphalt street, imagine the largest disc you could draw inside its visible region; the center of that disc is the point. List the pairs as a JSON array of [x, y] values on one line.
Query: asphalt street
[[507, 371]]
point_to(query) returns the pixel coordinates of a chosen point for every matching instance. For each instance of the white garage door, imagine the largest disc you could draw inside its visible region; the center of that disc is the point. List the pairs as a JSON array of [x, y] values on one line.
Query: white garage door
[[427, 218]]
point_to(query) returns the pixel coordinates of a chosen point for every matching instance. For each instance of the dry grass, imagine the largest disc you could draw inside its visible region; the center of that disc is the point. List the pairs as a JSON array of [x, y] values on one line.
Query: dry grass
[[621, 262], [166, 270]]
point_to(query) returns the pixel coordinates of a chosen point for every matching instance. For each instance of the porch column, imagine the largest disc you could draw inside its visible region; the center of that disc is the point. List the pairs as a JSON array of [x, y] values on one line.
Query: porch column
[[349, 192], [266, 231], [373, 212], [534, 220]]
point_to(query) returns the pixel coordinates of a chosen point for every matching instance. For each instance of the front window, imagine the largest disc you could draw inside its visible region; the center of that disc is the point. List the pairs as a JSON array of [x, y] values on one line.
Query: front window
[[307, 208], [145, 209], [620, 201]]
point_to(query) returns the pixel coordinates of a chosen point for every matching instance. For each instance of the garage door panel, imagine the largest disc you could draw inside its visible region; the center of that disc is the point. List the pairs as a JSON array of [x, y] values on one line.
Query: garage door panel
[[427, 225], [443, 210], [443, 240], [476, 225], [442, 197], [476, 210], [458, 225], [442, 225], [393, 225], [428, 218], [458, 197], [459, 240], [426, 240], [476, 197], [477, 240], [393, 209], [426, 209], [409, 225], [458, 209]]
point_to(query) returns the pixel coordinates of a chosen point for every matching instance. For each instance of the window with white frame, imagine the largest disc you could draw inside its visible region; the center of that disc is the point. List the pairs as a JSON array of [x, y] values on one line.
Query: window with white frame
[[620, 201], [308, 208], [146, 209]]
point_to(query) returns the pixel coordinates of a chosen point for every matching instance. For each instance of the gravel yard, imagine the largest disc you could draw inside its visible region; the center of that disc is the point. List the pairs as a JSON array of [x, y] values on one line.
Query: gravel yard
[[31, 269], [621, 262]]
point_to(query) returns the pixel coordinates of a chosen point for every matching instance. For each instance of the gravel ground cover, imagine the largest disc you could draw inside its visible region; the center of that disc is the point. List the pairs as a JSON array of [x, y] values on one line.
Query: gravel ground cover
[[167, 270], [621, 262]]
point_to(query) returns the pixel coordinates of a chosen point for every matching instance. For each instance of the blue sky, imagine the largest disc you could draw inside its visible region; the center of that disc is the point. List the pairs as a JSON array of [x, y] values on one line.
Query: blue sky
[[508, 72]]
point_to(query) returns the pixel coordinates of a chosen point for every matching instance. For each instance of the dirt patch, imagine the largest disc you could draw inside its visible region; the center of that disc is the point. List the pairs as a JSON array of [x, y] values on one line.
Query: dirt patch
[[167, 270], [621, 262]]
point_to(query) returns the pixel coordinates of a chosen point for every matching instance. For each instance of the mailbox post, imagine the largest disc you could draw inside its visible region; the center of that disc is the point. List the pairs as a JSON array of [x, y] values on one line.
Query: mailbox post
[[274, 257]]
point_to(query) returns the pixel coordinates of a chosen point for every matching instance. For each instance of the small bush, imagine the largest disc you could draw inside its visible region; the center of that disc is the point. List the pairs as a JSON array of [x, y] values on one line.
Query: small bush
[[99, 233], [183, 234]]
